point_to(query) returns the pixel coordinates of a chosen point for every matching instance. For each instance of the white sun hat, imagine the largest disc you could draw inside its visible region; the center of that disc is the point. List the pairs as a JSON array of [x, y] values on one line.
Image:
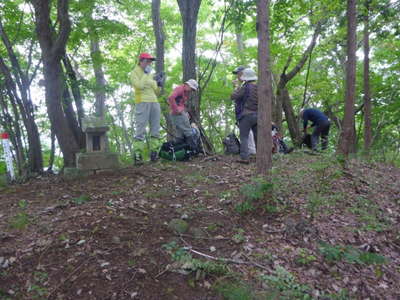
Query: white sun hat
[[193, 84], [248, 75]]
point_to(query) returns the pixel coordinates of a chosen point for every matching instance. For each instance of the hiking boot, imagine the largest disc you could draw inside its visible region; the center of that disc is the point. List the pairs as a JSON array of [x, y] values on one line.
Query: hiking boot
[[243, 161], [153, 156], [137, 158]]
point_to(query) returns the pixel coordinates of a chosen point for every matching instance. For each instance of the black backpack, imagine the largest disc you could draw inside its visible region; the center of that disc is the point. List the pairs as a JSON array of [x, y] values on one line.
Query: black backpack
[[176, 151], [231, 144]]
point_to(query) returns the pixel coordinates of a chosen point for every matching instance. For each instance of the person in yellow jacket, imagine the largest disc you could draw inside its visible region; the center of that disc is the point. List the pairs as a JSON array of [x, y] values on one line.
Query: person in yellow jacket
[[148, 110]]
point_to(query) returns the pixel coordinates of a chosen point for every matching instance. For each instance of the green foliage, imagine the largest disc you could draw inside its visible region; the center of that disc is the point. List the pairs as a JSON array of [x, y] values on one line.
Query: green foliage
[[244, 207], [284, 285], [3, 167], [239, 236], [201, 268], [234, 290], [256, 190], [315, 202], [81, 199], [22, 219], [37, 290], [350, 255], [253, 194], [305, 257]]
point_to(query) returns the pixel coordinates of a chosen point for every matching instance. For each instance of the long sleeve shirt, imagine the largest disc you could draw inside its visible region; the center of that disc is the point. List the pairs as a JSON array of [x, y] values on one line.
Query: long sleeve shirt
[[146, 89], [177, 99], [316, 116]]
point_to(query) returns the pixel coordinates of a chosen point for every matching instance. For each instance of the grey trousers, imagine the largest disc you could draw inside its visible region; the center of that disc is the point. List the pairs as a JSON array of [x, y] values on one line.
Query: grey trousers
[[182, 125], [183, 130], [147, 113], [247, 123]]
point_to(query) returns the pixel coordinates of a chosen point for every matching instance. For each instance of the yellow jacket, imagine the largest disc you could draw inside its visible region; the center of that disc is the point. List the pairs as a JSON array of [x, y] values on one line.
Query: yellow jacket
[[146, 89]]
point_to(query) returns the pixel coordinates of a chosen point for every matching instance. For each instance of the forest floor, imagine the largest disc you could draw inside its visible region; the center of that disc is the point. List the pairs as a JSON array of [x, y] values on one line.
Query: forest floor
[[325, 233]]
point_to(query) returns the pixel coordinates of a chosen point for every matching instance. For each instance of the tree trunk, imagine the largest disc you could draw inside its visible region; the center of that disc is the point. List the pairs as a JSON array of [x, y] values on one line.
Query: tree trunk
[[72, 119], [53, 47], [189, 11], [120, 114], [24, 102], [285, 77], [97, 60], [367, 96], [52, 151], [76, 92], [347, 137], [264, 139], [12, 126], [291, 119], [160, 51]]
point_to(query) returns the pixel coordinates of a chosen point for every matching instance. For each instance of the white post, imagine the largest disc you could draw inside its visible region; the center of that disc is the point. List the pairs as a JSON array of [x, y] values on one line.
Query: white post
[[7, 155]]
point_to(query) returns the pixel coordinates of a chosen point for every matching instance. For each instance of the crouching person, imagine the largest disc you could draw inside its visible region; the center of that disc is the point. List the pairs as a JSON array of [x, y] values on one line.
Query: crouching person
[[180, 117], [246, 105]]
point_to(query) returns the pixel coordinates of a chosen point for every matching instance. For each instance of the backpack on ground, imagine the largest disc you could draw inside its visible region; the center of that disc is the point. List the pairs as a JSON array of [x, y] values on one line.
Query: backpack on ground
[[231, 144], [182, 149], [176, 151]]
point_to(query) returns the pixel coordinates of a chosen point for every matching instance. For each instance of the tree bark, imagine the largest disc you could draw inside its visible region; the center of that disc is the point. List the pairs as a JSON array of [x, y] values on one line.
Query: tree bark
[[53, 48], [74, 84], [347, 136], [291, 119], [97, 60], [264, 139], [160, 51], [281, 94], [367, 95], [189, 11], [12, 126], [22, 82]]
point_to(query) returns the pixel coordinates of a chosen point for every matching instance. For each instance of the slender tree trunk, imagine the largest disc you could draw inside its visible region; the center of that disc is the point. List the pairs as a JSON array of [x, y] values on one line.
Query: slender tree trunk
[[189, 11], [347, 137], [282, 99], [53, 48], [12, 126], [264, 139], [52, 152], [72, 119], [160, 51], [97, 60], [22, 82], [367, 95], [291, 119], [120, 115], [76, 92]]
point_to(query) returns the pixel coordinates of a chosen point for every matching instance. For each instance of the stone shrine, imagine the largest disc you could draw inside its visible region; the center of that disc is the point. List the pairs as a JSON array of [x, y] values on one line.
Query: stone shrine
[[97, 155]]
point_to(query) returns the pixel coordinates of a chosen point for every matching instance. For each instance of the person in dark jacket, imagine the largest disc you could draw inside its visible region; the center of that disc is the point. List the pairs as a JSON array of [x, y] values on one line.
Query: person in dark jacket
[[246, 105], [321, 125]]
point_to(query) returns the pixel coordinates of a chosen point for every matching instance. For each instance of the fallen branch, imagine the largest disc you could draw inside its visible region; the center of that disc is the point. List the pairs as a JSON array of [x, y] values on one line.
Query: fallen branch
[[138, 210], [68, 277], [228, 260], [204, 238]]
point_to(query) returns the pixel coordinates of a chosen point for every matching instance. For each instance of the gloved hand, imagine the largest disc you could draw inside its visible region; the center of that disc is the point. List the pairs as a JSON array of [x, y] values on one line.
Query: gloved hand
[[147, 70], [160, 78]]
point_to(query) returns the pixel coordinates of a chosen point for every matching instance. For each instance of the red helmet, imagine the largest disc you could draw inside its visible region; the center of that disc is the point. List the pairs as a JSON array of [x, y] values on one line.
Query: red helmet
[[146, 56]]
